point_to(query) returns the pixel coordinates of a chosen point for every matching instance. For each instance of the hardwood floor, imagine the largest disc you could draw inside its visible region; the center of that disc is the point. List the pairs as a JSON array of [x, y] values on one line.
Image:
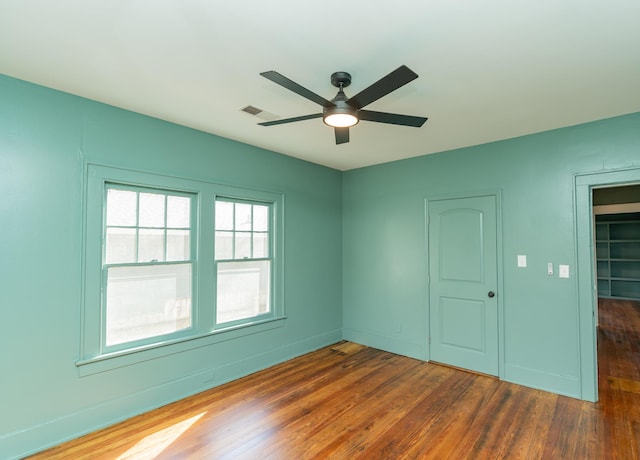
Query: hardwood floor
[[349, 401]]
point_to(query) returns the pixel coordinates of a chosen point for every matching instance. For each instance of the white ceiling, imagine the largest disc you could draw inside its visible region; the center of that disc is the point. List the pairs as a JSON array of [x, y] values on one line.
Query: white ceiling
[[488, 70]]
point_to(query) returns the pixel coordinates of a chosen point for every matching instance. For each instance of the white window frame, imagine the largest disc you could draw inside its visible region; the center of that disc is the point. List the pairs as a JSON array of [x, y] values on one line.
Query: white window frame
[[94, 355]]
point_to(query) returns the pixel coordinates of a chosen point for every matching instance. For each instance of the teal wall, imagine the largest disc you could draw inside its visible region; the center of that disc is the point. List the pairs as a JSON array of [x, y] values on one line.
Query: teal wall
[[385, 295], [44, 136], [355, 258]]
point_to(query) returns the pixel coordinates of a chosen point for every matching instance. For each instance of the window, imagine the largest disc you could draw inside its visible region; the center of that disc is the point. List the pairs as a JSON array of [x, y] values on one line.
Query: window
[[173, 263], [243, 264], [147, 263]]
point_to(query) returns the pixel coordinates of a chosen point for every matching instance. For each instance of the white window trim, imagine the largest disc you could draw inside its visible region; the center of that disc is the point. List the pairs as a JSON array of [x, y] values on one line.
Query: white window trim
[[93, 358]]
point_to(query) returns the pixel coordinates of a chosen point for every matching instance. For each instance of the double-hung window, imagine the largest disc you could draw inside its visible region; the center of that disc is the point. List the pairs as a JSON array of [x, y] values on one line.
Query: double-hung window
[[243, 260], [175, 262], [148, 264]]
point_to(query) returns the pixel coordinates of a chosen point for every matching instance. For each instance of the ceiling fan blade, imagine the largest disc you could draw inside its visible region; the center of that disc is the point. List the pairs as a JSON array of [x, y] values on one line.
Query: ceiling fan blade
[[296, 88], [342, 135], [392, 118], [399, 77], [291, 120]]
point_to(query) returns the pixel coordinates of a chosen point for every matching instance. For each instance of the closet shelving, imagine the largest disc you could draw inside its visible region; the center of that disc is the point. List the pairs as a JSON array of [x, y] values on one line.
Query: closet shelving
[[618, 257]]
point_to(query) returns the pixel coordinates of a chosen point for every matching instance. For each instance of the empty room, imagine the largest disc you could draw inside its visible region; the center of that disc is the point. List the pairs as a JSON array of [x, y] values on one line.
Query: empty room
[[292, 230]]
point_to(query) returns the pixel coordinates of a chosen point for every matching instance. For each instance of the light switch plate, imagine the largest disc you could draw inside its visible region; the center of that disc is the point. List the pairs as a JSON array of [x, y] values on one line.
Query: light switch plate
[[563, 271], [522, 261]]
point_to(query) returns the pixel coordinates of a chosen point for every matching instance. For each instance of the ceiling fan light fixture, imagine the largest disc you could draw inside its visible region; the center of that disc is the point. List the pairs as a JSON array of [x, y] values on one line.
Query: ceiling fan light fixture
[[340, 120]]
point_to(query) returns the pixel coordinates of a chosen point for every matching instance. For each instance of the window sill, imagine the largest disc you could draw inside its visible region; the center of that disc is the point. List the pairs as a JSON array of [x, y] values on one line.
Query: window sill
[[109, 361]]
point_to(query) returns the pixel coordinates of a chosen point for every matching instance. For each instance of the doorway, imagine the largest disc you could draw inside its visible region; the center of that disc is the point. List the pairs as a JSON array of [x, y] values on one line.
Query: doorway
[[587, 268]]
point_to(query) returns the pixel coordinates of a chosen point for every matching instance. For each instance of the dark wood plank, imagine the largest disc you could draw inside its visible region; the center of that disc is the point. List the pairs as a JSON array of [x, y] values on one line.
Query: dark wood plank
[[348, 401]]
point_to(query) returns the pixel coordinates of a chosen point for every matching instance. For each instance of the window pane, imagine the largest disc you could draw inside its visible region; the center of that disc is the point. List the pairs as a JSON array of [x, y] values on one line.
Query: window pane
[[224, 245], [120, 245], [260, 245], [151, 210], [243, 216], [243, 245], [260, 218], [242, 290], [178, 245], [121, 207], [178, 212], [147, 301], [151, 245], [224, 215]]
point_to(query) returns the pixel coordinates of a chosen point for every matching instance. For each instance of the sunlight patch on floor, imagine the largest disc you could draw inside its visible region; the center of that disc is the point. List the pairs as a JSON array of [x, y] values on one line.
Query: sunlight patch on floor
[[347, 347], [151, 446]]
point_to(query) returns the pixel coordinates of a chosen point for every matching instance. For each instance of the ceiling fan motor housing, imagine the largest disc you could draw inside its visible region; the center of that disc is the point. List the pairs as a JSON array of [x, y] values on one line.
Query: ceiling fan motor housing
[[341, 108]]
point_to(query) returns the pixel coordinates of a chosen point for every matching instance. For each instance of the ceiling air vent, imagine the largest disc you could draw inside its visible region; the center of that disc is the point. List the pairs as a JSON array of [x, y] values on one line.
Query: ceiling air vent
[[262, 114], [251, 110]]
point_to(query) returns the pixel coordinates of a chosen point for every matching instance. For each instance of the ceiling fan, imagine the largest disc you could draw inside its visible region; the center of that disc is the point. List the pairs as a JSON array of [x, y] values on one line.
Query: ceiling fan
[[342, 112]]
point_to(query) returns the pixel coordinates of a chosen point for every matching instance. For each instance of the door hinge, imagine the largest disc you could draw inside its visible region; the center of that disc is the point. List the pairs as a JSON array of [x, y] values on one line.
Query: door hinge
[[429, 340]]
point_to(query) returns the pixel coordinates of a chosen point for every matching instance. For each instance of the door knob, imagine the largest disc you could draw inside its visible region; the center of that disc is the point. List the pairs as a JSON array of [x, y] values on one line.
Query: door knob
[[491, 294]]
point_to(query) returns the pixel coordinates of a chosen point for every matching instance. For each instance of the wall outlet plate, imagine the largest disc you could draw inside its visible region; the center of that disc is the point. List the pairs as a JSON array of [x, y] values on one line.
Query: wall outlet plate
[[563, 271], [522, 261]]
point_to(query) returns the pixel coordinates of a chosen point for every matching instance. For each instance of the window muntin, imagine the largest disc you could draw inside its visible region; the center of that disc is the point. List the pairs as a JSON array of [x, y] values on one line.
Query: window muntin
[[143, 226], [147, 264], [242, 257]]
